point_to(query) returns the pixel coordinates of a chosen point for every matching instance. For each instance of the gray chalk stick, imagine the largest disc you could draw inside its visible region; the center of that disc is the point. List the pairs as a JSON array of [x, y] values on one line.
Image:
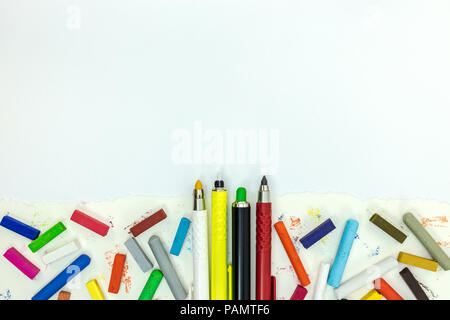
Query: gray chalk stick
[[138, 254], [167, 268]]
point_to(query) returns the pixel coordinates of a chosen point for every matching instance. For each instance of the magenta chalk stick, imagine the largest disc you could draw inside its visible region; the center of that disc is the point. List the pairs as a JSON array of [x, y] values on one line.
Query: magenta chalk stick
[[21, 263], [299, 293]]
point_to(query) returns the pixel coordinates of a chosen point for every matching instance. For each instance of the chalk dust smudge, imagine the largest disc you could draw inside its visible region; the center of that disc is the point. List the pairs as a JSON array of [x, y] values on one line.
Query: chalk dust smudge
[[38, 222], [294, 223], [437, 222], [6, 296], [126, 278], [445, 244], [429, 290]]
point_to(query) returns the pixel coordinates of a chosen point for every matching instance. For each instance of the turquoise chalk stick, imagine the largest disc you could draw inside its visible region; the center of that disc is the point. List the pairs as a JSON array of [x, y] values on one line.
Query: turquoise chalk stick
[[178, 241], [345, 246]]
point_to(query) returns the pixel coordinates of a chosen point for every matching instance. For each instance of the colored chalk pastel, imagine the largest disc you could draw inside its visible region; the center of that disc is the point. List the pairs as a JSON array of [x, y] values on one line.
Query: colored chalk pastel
[[167, 268], [94, 290], [64, 295], [427, 241], [417, 261], [61, 252], [299, 293], [89, 223], [47, 236], [317, 233], [138, 254], [345, 246], [273, 282], [321, 282], [178, 241], [116, 273], [366, 277], [19, 227], [372, 295], [149, 222], [21, 263], [151, 285], [387, 227], [413, 284], [386, 290], [63, 278]]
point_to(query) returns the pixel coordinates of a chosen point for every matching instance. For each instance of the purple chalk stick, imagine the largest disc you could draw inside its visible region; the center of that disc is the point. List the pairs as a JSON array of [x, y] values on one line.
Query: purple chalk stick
[[21, 263], [299, 293]]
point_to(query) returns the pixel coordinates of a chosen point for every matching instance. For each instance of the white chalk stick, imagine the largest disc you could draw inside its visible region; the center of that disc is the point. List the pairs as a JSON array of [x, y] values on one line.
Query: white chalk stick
[[61, 252], [366, 278], [321, 281]]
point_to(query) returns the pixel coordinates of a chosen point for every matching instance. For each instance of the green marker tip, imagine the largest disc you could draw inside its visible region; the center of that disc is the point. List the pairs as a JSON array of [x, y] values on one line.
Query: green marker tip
[[241, 194]]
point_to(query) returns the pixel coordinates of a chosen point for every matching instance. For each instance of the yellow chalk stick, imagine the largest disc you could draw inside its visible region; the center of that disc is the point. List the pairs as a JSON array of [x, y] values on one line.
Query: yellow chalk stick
[[372, 295], [94, 290], [416, 261]]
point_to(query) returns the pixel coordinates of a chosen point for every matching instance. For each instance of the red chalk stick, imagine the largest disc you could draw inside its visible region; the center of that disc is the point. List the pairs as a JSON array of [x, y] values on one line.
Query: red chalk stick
[[299, 293], [116, 273], [386, 290], [148, 222], [63, 295], [89, 223]]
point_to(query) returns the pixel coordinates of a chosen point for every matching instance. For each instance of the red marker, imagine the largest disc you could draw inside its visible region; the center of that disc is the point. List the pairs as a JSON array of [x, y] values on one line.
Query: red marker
[[263, 243]]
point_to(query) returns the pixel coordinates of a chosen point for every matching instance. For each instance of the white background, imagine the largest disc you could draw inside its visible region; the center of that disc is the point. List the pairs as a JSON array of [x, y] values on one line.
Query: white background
[[359, 91]]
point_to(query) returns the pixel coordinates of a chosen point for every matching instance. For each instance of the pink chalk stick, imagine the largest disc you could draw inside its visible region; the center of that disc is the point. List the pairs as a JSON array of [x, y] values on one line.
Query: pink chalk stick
[[21, 263], [90, 223], [299, 293]]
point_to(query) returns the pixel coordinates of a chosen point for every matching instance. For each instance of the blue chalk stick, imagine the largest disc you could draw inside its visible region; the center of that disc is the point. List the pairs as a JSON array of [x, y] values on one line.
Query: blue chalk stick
[[20, 227], [318, 233], [61, 279], [180, 236], [337, 270]]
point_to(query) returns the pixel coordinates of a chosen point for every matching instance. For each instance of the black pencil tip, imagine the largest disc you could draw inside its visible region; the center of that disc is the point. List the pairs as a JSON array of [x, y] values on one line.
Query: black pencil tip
[[264, 181]]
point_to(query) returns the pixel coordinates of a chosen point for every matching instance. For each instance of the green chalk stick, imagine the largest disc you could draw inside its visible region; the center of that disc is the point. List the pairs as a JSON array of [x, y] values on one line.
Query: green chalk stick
[[384, 225], [428, 242], [47, 236], [152, 284]]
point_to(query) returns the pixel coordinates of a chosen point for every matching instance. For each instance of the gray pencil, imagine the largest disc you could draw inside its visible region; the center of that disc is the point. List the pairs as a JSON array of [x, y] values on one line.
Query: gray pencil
[[167, 268]]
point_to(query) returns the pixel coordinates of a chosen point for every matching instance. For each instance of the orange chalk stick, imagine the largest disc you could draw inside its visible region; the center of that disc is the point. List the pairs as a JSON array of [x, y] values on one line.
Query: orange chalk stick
[[386, 290], [292, 253], [116, 273], [63, 295]]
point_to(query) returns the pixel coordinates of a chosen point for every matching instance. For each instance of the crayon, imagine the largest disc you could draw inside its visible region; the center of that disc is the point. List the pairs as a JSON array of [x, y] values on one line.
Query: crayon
[[317, 233], [387, 227], [299, 293], [427, 241], [149, 222], [47, 236], [63, 278], [292, 253], [386, 290], [138, 254], [151, 285], [345, 246], [64, 295], [19, 227], [321, 282], [116, 273], [178, 241], [167, 268], [61, 252], [21, 263], [372, 295], [365, 277], [413, 284], [89, 223], [416, 261], [94, 290]]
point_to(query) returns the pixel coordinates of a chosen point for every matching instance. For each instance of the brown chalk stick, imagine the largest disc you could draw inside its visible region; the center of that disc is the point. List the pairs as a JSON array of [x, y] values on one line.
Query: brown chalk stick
[[149, 222], [413, 284], [63, 295]]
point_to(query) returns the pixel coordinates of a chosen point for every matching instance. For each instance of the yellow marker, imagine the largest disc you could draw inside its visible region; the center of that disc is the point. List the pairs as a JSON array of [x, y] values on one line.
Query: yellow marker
[[230, 283], [94, 290], [372, 295], [219, 241], [416, 261]]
